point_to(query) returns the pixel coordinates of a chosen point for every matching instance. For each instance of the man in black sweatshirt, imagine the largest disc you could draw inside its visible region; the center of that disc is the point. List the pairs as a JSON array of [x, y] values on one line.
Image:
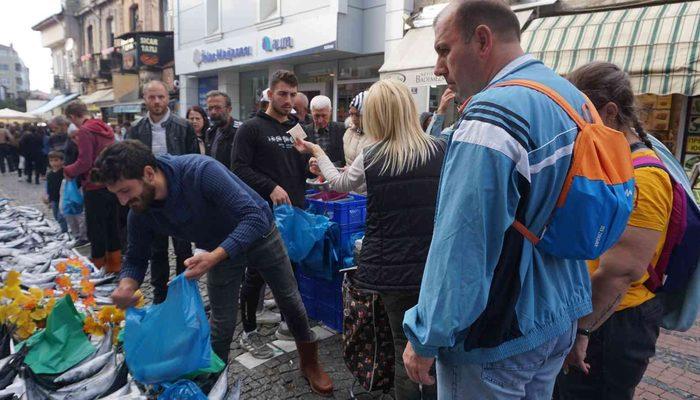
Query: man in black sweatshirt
[[263, 154], [264, 157]]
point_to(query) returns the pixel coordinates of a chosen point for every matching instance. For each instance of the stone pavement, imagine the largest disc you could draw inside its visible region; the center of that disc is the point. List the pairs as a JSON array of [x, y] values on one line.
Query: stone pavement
[[674, 372]]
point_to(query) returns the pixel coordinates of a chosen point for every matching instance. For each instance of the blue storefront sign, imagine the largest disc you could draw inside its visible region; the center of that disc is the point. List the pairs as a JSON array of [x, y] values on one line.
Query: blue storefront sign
[[277, 44], [204, 86], [203, 56]]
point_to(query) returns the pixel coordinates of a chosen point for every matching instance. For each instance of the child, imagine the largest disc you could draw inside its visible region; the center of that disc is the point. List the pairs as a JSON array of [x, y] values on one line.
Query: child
[[53, 187]]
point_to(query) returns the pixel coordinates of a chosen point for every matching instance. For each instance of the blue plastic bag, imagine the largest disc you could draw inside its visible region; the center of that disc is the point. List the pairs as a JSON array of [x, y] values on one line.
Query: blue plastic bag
[[300, 230], [72, 198], [183, 390], [166, 341]]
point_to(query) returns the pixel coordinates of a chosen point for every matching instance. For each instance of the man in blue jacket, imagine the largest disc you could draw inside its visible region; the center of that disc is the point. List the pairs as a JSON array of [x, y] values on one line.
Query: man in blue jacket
[[197, 199], [497, 313]]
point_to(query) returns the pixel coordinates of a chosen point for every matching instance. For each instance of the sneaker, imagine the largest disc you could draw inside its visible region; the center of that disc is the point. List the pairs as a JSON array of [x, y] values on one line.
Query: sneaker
[[254, 344], [269, 304], [267, 317], [283, 333]]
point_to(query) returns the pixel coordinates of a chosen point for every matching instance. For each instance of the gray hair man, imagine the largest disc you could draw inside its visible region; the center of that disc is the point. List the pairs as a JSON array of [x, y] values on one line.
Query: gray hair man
[[498, 313], [324, 132], [164, 133]]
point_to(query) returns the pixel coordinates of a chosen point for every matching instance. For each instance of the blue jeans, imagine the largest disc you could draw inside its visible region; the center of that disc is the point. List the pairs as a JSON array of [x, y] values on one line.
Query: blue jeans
[[59, 217], [530, 375]]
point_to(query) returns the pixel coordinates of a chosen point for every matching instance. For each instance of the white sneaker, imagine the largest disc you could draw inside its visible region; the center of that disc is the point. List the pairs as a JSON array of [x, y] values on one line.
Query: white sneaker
[[267, 317], [269, 304]]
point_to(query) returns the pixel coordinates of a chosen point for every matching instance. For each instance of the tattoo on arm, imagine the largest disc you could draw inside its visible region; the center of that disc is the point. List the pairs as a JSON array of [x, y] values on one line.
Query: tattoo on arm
[[609, 310]]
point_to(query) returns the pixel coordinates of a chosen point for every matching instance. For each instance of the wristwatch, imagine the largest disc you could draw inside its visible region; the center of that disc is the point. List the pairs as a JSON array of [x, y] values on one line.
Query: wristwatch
[[584, 332]]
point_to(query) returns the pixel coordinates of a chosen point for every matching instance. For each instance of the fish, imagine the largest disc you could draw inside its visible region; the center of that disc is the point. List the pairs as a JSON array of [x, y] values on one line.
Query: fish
[[84, 371], [218, 391], [235, 392], [16, 388], [91, 388], [124, 390]]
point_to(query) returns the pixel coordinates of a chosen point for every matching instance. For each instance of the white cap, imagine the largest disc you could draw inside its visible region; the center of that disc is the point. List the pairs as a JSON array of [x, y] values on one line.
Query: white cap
[[265, 96]]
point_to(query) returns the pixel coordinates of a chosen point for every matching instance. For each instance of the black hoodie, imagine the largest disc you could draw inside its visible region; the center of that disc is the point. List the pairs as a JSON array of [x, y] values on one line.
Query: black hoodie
[[263, 157]]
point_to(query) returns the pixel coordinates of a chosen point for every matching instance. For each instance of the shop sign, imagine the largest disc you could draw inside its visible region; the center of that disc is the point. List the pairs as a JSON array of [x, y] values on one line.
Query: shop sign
[[283, 43], [146, 50], [693, 145], [203, 56], [424, 78]]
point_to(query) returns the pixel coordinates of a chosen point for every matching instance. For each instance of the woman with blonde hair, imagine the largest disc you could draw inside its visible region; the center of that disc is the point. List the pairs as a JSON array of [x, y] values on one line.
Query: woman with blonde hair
[[401, 169]]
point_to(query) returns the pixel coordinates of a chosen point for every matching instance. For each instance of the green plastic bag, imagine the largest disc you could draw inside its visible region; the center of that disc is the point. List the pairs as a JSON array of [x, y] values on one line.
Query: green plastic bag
[[215, 366], [62, 345]]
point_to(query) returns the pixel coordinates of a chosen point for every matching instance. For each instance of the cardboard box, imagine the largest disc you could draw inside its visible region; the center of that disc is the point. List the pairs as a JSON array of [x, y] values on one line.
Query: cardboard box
[[646, 101], [660, 120]]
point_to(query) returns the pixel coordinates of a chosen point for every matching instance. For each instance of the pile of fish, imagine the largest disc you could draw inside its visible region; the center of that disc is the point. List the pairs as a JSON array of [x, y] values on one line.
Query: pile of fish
[[33, 245], [102, 375]]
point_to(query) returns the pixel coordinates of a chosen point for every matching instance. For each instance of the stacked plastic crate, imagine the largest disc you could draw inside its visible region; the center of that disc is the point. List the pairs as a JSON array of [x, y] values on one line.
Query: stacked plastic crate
[[323, 298]]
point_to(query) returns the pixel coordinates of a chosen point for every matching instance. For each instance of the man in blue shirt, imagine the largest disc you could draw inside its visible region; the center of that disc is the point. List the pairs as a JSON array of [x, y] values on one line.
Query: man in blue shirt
[[197, 199], [498, 313]]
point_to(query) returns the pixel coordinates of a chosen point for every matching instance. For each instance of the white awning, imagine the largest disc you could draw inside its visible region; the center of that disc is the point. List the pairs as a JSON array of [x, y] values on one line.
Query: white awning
[[413, 59], [98, 97], [57, 101]]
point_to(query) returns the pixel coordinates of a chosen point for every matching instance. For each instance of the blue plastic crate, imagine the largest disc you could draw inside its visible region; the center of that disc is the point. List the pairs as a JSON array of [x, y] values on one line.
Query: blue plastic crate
[[322, 299], [349, 213]]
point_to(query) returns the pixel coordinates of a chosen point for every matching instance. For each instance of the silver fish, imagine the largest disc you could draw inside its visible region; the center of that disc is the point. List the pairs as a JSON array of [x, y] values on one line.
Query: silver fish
[[84, 371], [119, 393], [218, 391], [91, 388], [235, 392], [16, 388]]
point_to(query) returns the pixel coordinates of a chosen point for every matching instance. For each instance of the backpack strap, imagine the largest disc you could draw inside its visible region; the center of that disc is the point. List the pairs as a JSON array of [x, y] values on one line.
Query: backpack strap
[[649, 161], [575, 116]]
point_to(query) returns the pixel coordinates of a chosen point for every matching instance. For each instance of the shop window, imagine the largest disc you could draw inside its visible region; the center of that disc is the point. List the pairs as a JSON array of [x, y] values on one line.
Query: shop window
[[252, 85], [213, 16], [360, 67]]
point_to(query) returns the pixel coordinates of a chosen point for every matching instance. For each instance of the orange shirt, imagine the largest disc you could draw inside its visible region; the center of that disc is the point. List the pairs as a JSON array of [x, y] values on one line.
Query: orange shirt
[[654, 200]]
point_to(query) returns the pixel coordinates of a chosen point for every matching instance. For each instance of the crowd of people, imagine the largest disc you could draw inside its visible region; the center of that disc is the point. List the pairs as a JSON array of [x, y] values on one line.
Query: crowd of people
[[476, 309]]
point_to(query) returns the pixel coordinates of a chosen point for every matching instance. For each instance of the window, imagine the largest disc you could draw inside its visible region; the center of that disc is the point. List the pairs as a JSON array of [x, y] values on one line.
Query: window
[[213, 20], [252, 85], [90, 43], [134, 18], [268, 9], [18, 67], [18, 81], [110, 32], [4, 67], [164, 20]]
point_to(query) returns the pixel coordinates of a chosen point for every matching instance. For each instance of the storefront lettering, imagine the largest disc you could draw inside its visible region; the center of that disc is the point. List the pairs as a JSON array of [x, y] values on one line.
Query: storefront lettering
[[277, 44], [428, 77], [149, 45], [203, 56]]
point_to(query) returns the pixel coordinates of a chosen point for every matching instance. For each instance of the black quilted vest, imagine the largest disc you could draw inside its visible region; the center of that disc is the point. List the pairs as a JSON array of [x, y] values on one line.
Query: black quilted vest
[[399, 227]]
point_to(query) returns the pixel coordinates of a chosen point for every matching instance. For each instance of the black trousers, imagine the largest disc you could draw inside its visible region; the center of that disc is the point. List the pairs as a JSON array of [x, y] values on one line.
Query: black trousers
[[6, 155], [160, 265], [101, 221], [618, 353]]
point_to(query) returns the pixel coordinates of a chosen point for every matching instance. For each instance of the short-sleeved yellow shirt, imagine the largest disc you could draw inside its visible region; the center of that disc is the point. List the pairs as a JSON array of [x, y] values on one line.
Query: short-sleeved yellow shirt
[[652, 210]]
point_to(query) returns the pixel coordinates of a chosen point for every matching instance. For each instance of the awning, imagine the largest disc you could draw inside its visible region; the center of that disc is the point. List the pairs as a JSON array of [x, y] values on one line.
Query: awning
[[133, 107], [658, 46], [57, 101], [404, 65], [8, 114], [98, 97]]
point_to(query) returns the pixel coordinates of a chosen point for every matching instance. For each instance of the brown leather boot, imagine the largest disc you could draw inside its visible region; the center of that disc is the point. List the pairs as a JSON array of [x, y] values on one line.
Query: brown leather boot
[[114, 261], [98, 262], [311, 369]]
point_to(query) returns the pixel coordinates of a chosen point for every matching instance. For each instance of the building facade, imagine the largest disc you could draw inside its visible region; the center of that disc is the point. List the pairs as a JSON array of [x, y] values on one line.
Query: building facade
[[335, 47], [14, 75]]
